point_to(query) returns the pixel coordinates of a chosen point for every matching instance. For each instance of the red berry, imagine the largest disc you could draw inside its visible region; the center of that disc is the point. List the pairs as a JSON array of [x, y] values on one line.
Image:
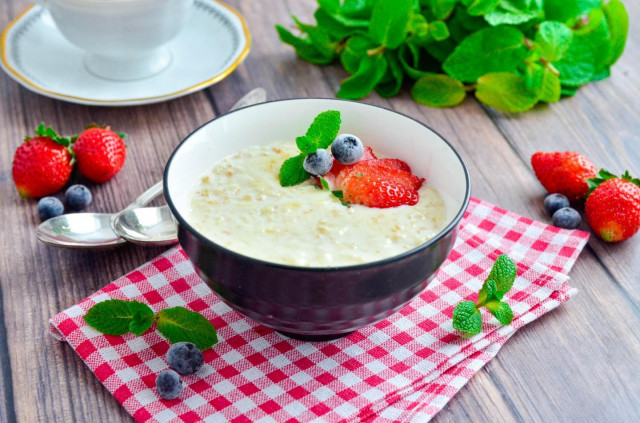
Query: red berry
[[337, 166], [42, 165], [100, 153], [564, 173], [375, 185], [613, 207]]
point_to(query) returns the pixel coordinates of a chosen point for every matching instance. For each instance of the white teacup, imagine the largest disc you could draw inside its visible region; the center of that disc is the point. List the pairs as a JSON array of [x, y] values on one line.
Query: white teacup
[[123, 39]]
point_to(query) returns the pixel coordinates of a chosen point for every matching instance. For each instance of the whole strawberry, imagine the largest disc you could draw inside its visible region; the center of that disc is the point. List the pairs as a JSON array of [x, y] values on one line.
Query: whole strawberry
[[100, 153], [613, 206], [42, 165], [564, 173]]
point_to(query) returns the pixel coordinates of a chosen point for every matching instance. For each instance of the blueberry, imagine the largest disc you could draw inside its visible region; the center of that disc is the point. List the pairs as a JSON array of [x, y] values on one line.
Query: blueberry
[[169, 384], [566, 218], [555, 202], [347, 149], [185, 358], [49, 207], [318, 163], [77, 197]]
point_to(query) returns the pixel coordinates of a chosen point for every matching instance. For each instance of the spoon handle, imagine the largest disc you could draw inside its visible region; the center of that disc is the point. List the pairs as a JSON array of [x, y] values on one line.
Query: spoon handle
[[255, 96], [146, 197]]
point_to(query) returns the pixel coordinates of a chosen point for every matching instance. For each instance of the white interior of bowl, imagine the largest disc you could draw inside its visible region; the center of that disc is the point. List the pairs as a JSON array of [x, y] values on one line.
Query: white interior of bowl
[[389, 134]]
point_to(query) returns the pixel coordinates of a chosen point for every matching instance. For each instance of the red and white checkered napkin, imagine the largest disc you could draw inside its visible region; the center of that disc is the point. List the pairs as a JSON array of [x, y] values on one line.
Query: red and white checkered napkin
[[404, 368]]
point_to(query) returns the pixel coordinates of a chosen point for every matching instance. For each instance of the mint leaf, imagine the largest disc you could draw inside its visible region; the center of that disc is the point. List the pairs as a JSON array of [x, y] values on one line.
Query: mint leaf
[[323, 130], [488, 292], [409, 58], [563, 10], [503, 272], [142, 317], [553, 39], [438, 30], [438, 90], [395, 77], [514, 12], [618, 22], [389, 22], [292, 171], [505, 91], [442, 9], [550, 88], [331, 6], [467, 318], [370, 72], [304, 47], [499, 49], [354, 51], [179, 324], [111, 317], [588, 52], [336, 29], [501, 311], [319, 38], [481, 7], [306, 145]]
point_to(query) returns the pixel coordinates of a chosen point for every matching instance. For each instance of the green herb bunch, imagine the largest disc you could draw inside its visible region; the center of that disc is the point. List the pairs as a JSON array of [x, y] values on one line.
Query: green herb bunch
[[466, 315], [512, 53]]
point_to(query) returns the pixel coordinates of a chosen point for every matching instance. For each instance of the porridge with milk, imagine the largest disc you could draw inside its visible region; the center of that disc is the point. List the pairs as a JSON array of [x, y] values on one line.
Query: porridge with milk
[[240, 205]]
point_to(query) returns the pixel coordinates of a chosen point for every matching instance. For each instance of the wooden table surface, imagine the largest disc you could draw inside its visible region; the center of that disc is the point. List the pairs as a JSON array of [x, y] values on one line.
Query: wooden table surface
[[579, 363]]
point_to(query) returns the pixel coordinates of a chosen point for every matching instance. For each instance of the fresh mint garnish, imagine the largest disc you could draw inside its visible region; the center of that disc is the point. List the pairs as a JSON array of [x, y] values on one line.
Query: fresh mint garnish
[[321, 133], [181, 325], [177, 324], [466, 315], [551, 47]]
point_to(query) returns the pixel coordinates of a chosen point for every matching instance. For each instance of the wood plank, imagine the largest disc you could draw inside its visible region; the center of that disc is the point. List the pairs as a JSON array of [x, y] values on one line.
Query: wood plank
[[577, 362]]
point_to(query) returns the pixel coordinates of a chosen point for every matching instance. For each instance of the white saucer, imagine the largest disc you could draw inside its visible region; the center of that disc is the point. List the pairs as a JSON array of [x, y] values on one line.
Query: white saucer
[[211, 46]]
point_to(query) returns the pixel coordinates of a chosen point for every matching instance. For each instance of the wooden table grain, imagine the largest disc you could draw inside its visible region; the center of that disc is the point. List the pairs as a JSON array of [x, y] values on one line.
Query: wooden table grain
[[579, 363]]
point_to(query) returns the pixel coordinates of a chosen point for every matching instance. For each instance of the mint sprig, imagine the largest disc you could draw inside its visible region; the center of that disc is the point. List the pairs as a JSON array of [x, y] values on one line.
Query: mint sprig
[[321, 133], [467, 317], [512, 53], [177, 324]]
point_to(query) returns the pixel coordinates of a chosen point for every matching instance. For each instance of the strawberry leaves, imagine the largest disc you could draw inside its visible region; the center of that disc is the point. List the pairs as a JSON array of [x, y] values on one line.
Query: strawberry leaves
[[605, 175], [467, 317]]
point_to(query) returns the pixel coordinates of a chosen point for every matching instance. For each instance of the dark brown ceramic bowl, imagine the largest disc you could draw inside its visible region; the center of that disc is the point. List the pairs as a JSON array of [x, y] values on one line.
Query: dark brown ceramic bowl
[[316, 303]]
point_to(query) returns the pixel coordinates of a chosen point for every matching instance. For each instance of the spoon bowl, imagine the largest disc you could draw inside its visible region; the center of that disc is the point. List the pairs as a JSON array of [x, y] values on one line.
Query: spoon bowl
[[79, 230], [147, 225]]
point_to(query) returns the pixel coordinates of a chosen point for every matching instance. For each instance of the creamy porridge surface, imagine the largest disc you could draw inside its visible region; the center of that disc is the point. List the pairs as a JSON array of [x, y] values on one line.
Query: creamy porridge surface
[[240, 205]]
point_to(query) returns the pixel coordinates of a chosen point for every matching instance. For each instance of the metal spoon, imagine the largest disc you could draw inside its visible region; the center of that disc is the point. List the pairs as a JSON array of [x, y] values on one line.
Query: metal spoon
[[147, 225], [96, 230], [89, 230]]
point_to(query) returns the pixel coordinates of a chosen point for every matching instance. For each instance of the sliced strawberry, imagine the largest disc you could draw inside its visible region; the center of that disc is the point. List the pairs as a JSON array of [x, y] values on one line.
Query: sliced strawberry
[[394, 164], [379, 186], [337, 167]]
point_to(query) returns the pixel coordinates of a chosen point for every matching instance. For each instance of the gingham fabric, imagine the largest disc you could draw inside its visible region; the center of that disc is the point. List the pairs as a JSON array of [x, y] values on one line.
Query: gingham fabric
[[404, 368]]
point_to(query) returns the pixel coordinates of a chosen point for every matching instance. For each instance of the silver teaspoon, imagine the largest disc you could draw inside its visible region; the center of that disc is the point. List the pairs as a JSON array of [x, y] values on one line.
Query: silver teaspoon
[[89, 230], [147, 226]]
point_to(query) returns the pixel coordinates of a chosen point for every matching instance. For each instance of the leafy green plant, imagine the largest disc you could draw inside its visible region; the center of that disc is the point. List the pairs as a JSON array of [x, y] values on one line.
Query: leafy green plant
[[512, 53]]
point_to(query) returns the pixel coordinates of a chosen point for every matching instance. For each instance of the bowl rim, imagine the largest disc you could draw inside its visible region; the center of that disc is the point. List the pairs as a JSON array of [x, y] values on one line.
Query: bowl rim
[[210, 243]]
